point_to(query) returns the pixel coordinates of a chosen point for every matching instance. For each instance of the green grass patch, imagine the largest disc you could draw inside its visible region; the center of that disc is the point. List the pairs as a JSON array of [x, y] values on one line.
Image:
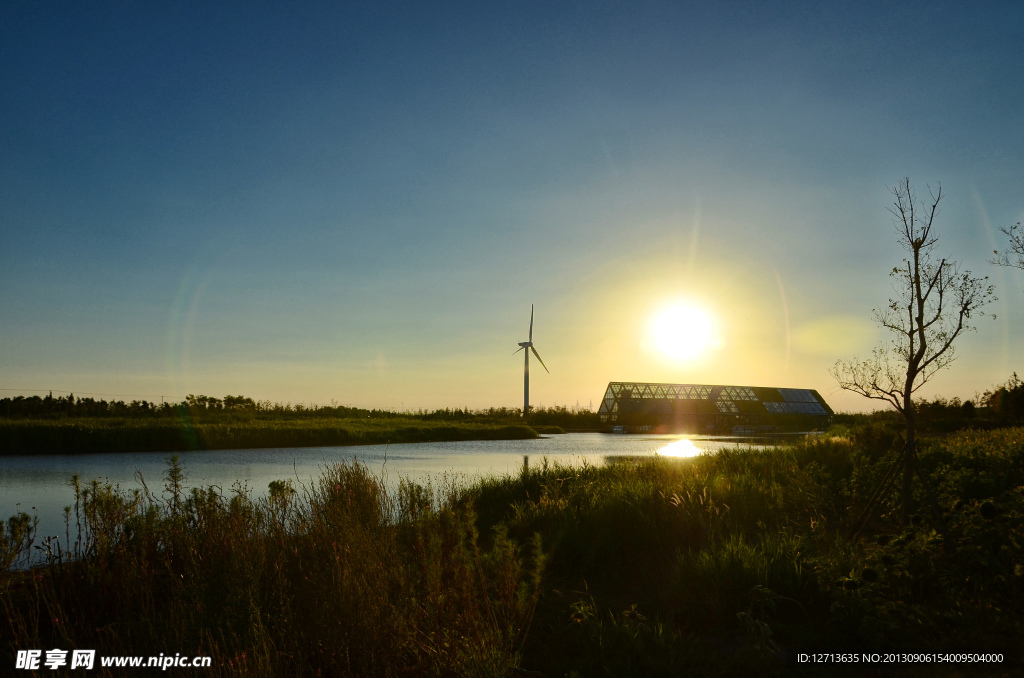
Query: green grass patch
[[169, 435]]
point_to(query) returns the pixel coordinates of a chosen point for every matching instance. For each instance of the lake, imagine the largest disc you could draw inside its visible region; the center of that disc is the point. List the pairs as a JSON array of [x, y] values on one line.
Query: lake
[[38, 484]]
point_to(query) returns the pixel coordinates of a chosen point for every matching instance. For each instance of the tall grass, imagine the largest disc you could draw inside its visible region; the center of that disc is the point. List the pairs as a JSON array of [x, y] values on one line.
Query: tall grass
[[726, 564], [736, 561], [340, 578]]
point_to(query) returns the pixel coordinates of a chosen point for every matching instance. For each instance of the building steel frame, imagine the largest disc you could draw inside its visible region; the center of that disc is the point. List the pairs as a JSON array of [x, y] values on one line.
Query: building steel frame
[[712, 408]]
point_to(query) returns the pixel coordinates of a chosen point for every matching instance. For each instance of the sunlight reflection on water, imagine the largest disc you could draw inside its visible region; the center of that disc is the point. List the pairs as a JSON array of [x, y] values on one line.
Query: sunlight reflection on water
[[680, 448]]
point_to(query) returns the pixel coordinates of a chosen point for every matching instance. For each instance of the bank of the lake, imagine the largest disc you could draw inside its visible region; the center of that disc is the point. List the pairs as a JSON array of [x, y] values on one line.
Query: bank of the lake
[[101, 435], [728, 564], [38, 484]]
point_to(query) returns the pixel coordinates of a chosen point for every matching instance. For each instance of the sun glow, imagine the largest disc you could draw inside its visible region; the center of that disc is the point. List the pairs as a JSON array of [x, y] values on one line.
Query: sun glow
[[682, 332], [680, 448]]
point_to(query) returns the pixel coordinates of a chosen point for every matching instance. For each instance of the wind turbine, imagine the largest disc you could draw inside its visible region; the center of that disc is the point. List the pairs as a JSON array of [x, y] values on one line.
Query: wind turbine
[[526, 347]]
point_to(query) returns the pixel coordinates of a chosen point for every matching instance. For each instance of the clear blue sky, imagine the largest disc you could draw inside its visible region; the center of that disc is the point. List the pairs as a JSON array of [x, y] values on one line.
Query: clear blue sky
[[360, 202]]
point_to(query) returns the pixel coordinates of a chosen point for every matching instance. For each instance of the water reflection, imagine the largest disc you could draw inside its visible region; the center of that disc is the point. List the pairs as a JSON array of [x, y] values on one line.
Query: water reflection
[[680, 448]]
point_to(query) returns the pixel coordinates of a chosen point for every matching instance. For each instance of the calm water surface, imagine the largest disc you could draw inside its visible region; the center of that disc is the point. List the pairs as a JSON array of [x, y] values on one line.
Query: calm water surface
[[38, 485]]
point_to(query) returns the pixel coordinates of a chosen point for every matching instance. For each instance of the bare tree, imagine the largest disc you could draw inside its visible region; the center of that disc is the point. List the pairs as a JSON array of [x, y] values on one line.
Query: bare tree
[[1014, 256], [933, 305]]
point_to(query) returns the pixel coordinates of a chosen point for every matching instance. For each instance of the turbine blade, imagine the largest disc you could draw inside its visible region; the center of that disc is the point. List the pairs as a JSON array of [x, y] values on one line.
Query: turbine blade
[[518, 350], [541, 361], [531, 322]]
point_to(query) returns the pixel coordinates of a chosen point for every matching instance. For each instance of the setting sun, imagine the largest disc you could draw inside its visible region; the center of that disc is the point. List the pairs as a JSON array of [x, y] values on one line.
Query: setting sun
[[682, 332]]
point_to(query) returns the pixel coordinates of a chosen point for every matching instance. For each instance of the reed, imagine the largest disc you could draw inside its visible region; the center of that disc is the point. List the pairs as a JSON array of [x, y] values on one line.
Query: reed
[[735, 562], [726, 564], [338, 578]]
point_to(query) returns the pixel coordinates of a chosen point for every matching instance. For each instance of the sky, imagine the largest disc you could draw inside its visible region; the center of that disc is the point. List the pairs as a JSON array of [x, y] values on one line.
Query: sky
[[358, 203]]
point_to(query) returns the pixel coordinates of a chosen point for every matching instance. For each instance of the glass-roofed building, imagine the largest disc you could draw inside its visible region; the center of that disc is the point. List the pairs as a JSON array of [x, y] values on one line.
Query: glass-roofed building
[[704, 408]]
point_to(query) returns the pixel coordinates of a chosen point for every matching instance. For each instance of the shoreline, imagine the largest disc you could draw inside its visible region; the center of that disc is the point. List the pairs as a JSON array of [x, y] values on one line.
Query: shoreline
[[63, 437]]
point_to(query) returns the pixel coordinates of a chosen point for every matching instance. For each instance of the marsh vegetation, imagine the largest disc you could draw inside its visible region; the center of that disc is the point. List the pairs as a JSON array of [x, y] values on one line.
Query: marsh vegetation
[[74, 425], [716, 565]]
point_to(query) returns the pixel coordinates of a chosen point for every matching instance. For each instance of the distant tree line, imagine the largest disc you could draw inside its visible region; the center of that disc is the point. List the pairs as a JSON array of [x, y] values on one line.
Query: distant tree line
[[1006, 402], [1001, 406], [50, 407], [242, 408], [200, 406], [559, 415]]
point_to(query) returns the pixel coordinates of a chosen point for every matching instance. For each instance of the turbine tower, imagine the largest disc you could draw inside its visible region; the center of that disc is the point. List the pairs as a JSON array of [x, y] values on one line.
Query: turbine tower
[[527, 346]]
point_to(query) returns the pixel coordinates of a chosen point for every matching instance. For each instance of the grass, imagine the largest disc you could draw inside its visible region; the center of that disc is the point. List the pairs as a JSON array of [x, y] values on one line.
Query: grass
[[342, 578], [729, 564], [20, 436]]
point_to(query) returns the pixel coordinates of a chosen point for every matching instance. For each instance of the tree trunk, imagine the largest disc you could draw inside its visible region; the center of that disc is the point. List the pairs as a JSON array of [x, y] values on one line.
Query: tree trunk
[[908, 465]]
